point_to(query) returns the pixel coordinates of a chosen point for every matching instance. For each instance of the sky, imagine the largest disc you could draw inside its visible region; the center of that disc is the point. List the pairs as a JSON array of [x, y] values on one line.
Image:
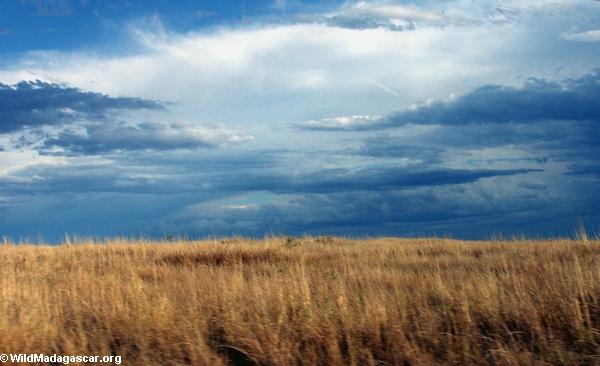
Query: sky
[[196, 118]]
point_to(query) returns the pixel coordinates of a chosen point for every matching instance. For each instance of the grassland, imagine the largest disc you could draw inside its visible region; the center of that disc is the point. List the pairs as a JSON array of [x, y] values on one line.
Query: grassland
[[309, 301]]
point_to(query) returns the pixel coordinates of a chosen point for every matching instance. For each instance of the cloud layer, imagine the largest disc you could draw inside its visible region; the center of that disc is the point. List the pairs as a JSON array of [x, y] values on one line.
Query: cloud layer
[[537, 100], [442, 117], [37, 103], [106, 138]]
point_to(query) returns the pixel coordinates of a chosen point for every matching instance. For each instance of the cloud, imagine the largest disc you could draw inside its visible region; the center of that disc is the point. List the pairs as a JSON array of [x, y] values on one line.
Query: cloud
[[50, 7], [237, 158], [360, 15], [473, 210], [149, 171], [361, 21], [37, 103], [110, 137], [466, 165], [371, 179], [297, 86], [550, 135], [536, 100], [592, 169], [89, 123], [587, 36], [400, 12], [114, 174], [204, 14], [341, 123], [408, 17], [390, 147]]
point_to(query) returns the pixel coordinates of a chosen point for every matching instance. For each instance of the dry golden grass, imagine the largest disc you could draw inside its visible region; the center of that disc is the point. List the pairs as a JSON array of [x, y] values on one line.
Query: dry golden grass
[[310, 301]]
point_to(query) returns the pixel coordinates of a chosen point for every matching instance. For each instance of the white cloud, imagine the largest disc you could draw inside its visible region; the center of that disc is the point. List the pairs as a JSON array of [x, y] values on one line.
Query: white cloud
[[400, 12], [261, 77], [14, 160], [240, 207], [109, 137], [292, 72], [587, 36], [341, 122]]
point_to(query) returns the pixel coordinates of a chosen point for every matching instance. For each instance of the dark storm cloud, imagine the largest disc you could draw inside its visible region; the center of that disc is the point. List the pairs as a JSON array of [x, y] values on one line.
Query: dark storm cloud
[[537, 100], [373, 179], [385, 146], [496, 135], [541, 140], [147, 161], [466, 210], [592, 169], [565, 141], [151, 172], [559, 139], [94, 177], [473, 211], [37, 103], [79, 178]]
